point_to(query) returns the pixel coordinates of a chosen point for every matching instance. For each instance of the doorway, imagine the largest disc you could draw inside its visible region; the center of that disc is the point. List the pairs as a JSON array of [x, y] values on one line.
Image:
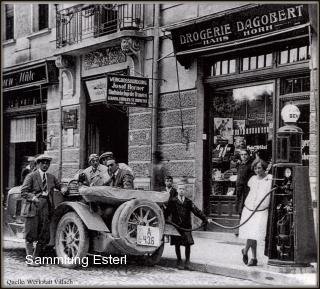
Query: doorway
[[240, 117], [107, 130]]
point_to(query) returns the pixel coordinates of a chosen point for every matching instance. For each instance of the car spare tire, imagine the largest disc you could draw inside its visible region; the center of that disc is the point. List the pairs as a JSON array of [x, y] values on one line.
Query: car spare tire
[[136, 213]]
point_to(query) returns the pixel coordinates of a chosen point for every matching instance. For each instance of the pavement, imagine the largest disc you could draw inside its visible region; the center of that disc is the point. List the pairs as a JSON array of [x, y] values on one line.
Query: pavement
[[220, 253]]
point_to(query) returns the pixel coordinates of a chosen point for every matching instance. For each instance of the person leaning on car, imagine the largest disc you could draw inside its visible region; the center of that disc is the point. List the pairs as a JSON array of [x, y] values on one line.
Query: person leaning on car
[[37, 207], [120, 178], [96, 174]]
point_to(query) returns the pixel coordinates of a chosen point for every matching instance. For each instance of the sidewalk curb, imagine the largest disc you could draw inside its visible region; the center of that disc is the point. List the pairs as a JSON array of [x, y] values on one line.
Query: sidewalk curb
[[262, 276]]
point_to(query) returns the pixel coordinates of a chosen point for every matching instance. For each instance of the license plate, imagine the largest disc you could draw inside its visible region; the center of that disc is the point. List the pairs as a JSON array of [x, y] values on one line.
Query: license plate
[[148, 236]]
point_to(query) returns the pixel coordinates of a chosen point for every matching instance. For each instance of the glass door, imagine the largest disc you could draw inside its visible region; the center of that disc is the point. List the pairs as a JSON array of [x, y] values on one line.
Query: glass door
[[240, 118]]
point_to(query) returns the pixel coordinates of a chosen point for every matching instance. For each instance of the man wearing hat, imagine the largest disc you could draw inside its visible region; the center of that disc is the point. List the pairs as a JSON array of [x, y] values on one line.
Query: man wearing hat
[[37, 206], [120, 178], [29, 168], [109, 156], [96, 174]]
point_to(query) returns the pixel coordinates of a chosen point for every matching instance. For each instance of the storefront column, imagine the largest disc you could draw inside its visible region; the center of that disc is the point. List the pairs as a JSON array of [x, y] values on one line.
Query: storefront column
[[314, 112], [201, 138], [12, 158]]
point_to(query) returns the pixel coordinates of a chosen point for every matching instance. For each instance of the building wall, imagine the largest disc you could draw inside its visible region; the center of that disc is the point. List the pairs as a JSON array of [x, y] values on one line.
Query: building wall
[[29, 45]]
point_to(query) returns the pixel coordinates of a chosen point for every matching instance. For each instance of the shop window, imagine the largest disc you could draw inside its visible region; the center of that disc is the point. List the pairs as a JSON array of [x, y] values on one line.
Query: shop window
[[240, 118], [28, 97], [256, 62], [9, 20], [223, 67], [295, 85], [294, 54]]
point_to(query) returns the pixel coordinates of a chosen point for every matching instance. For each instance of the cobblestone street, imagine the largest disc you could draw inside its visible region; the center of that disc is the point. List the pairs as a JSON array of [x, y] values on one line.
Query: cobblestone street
[[16, 273]]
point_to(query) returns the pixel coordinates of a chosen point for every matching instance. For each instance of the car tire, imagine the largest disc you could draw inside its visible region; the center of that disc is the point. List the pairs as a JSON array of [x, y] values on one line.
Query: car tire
[[134, 213], [72, 240]]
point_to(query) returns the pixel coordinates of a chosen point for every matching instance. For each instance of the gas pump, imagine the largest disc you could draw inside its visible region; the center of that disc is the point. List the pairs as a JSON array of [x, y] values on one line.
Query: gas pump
[[290, 233]]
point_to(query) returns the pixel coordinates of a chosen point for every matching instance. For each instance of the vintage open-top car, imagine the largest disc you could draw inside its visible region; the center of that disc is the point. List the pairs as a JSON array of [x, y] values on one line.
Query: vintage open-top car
[[102, 220]]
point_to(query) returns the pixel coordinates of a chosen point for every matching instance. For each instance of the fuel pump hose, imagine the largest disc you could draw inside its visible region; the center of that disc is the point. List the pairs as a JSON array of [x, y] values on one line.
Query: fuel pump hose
[[220, 225]]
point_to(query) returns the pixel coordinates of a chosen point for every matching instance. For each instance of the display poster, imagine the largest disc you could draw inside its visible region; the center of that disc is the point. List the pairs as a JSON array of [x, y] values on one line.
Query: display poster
[[223, 128]]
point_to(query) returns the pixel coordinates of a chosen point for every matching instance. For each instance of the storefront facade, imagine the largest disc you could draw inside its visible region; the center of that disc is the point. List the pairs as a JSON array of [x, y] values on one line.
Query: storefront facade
[[25, 94], [251, 63]]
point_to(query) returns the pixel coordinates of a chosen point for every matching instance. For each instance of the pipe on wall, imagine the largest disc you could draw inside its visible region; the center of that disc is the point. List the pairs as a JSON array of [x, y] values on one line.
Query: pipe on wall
[[60, 126], [155, 90]]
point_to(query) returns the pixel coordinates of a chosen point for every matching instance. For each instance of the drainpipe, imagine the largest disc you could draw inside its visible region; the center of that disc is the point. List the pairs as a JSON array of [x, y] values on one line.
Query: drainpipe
[[155, 90], [60, 126]]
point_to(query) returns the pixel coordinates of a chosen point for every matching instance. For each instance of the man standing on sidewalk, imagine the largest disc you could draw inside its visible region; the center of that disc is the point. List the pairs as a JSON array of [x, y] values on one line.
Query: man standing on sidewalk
[[37, 192]]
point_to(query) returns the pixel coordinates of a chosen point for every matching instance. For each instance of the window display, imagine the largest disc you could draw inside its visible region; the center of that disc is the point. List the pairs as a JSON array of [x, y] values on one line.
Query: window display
[[241, 118]]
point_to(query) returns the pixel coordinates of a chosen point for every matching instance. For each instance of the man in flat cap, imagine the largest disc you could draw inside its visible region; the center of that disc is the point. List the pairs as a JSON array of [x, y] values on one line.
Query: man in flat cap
[[96, 174], [37, 207], [29, 168], [120, 178], [109, 156]]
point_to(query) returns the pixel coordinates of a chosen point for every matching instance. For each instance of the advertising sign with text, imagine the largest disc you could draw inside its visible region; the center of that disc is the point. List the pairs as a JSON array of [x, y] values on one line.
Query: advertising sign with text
[[127, 90]]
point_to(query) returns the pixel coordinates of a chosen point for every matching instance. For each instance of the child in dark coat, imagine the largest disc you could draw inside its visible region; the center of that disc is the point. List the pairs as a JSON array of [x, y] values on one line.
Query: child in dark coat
[[180, 209]]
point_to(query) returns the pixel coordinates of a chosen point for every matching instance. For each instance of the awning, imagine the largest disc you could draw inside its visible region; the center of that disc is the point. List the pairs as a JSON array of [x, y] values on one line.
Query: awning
[[32, 75]]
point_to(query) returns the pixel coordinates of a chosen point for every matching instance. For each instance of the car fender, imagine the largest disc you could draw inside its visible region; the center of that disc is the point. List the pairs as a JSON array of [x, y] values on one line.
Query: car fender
[[92, 220]]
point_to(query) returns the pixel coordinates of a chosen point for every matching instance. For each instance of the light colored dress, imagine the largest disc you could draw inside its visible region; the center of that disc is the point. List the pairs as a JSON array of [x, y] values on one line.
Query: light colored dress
[[256, 227]]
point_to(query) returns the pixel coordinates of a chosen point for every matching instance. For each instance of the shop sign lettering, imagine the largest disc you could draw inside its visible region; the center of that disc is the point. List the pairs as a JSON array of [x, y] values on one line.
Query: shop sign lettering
[[255, 21], [127, 90], [25, 77]]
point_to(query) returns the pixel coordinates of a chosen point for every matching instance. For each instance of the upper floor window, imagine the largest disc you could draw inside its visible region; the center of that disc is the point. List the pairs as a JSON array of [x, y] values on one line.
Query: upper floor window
[[40, 17], [43, 16], [9, 34]]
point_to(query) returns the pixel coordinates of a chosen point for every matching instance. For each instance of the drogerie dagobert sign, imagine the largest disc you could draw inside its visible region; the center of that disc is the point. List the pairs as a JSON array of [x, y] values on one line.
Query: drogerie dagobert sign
[[252, 22]]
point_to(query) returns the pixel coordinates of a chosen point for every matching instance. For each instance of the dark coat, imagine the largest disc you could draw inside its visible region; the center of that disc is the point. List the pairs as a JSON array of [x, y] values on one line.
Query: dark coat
[[181, 215], [123, 179], [173, 193], [32, 186], [244, 173]]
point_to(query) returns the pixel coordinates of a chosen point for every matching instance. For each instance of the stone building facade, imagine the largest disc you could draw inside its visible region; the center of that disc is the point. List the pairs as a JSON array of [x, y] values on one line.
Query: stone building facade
[[86, 45]]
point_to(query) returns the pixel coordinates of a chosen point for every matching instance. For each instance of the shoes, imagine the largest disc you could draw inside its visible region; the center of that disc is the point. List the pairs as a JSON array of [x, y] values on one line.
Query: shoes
[[179, 264], [245, 257], [253, 262], [187, 266]]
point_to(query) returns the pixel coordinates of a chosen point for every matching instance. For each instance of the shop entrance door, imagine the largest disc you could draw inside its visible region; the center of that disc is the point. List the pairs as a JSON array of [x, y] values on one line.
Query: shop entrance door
[[108, 131], [240, 117]]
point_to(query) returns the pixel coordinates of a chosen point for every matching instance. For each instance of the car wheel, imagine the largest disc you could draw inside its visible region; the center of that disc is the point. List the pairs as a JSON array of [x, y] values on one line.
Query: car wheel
[[133, 214], [72, 240]]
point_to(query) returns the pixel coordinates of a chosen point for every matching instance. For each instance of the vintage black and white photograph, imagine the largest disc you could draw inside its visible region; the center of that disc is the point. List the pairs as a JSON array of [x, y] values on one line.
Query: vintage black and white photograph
[[160, 144]]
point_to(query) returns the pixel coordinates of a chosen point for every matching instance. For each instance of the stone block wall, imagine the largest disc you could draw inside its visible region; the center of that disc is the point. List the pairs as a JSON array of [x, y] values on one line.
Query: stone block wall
[[178, 151]]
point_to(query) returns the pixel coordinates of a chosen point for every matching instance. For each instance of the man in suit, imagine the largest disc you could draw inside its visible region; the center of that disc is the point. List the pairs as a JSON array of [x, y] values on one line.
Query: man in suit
[[109, 156], [37, 206], [120, 178], [96, 174]]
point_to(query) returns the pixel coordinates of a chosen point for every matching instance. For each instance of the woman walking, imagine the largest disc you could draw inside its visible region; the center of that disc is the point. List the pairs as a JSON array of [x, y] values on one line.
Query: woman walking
[[255, 229]]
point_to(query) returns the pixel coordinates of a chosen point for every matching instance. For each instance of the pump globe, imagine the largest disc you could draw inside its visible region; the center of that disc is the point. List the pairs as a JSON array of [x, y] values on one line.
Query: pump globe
[[290, 113]]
